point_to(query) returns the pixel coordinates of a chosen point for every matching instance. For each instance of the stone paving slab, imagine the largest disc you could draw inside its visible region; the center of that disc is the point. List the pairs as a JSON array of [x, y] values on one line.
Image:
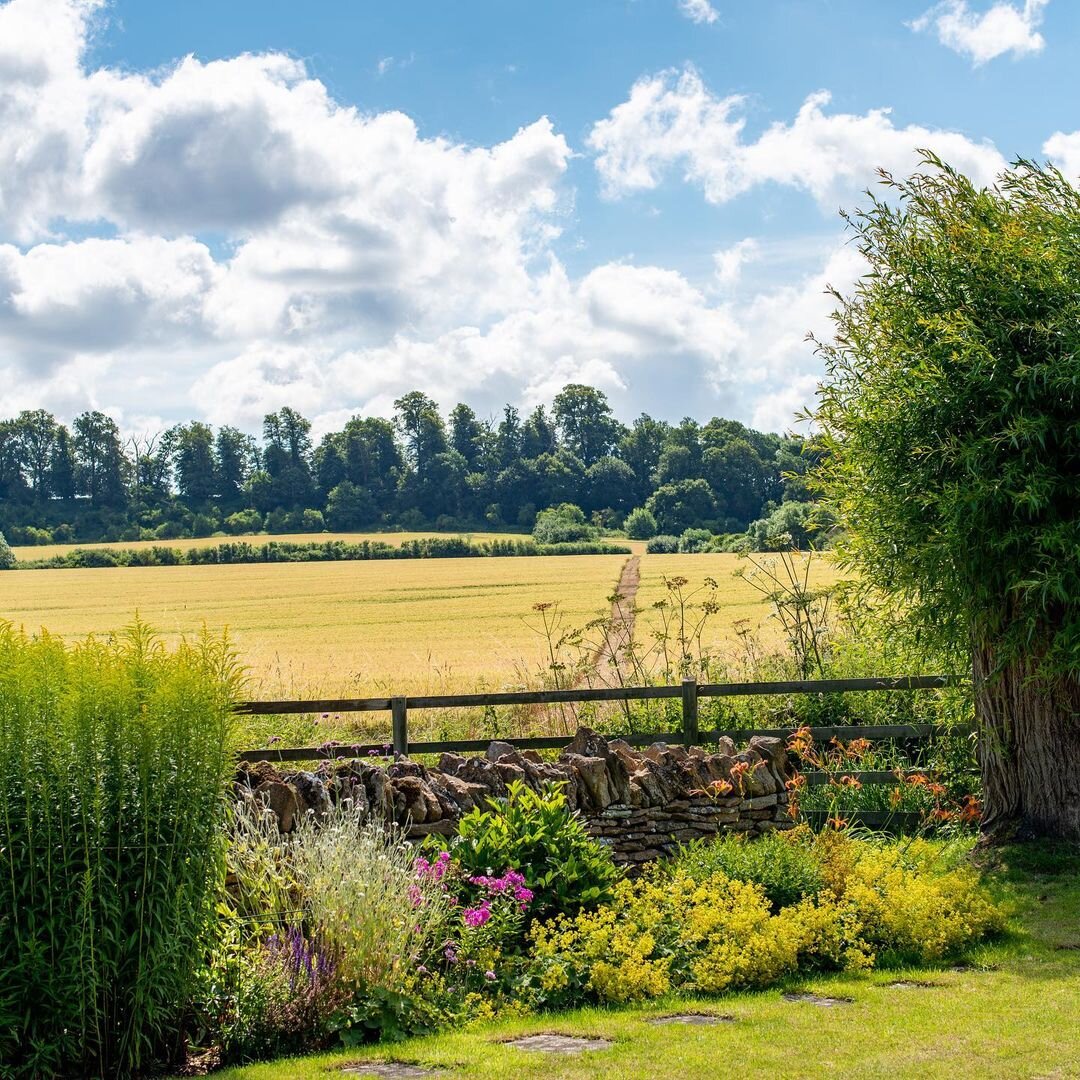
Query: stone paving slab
[[552, 1043], [818, 999], [393, 1069], [692, 1019]]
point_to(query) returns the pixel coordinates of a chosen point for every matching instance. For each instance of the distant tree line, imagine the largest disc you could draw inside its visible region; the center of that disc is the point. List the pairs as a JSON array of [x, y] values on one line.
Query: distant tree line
[[416, 470]]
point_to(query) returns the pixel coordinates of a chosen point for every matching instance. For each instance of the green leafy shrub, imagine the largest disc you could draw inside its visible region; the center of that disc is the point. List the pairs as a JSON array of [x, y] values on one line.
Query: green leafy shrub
[[782, 863], [538, 835], [113, 767], [695, 541], [7, 556], [663, 545], [563, 524], [640, 524]]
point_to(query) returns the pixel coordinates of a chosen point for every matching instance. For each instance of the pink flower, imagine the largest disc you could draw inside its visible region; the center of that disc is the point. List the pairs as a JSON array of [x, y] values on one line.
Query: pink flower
[[477, 916]]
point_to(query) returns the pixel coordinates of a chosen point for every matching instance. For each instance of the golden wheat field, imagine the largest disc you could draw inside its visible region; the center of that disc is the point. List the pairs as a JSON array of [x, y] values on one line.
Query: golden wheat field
[[334, 628], [353, 628]]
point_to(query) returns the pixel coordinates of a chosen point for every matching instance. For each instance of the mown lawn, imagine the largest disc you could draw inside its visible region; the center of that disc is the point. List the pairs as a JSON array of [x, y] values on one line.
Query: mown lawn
[[1011, 1010]]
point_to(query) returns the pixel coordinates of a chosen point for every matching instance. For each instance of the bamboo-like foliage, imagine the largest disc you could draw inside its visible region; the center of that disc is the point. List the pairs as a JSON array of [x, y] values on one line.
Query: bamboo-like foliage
[[950, 409], [113, 764]]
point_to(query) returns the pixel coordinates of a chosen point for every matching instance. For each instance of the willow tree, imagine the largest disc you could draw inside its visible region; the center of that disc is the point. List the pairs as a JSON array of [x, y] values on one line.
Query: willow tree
[[952, 409]]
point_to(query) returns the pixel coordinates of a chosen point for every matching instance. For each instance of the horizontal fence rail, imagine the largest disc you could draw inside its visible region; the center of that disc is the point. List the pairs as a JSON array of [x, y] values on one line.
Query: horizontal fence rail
[[689, 692]]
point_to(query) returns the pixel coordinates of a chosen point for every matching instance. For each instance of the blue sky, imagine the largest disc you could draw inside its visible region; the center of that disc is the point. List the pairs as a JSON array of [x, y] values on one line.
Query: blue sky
[[331, 203]]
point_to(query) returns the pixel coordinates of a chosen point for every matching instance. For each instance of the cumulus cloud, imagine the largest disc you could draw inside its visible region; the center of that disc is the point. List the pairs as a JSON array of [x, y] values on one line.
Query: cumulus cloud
[[699, 11], [1063, 149], [1001, 28], [101, 294], [260, 244], [672, 120]]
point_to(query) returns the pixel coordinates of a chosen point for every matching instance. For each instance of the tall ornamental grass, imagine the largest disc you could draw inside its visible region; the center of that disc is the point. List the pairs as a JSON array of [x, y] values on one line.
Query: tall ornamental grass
[[113, 770]]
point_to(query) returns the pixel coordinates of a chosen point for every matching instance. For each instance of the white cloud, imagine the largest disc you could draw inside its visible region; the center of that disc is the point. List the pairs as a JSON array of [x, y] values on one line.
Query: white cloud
[[699, 11], [673, 120], [1063, 149], [1001, 28], [102, 294], [730, 261]]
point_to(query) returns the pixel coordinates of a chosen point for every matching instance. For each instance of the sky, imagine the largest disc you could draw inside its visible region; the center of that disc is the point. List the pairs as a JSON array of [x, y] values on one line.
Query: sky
[[212, 210]]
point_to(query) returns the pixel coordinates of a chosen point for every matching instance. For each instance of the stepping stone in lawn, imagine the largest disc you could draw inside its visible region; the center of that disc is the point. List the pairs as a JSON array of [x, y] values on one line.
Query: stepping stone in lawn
[[909, 984], [387, 1068], [692, 1019], [817, 999], [551, 1043]]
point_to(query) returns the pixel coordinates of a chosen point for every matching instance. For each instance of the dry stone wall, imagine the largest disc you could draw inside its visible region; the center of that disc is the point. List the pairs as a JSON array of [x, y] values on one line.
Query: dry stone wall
[[642, 804]]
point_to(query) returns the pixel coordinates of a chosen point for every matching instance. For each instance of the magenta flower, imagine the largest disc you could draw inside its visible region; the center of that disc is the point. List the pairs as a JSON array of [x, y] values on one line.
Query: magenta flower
[[477, 916]]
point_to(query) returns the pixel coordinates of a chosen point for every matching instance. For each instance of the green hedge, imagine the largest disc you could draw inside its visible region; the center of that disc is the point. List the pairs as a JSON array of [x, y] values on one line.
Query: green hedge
[[434, 547]]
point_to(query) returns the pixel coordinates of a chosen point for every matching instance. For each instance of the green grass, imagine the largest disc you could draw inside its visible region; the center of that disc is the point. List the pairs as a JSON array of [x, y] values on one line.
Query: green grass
[[1012, 1012]]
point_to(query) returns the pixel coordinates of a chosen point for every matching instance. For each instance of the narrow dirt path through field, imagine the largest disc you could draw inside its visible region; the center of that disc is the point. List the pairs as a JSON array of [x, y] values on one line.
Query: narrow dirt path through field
[[610, 664]]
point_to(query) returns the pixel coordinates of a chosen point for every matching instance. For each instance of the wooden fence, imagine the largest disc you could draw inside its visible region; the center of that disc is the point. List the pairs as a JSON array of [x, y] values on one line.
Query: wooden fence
[[689, 693]]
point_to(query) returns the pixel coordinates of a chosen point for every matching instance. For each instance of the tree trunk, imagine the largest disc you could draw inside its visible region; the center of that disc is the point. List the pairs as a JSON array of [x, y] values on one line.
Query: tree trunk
[[1029, 750]]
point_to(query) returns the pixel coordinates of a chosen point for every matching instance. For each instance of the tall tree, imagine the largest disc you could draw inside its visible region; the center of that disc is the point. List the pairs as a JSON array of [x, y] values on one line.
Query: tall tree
[[640, 448], [100, 464], [37, 434], [62, 483], [538, 434], [422, 428], [468, 435], [951, 413], [12, 478], [235, 458], [588, 428], [739, 477], [287, 458], [193, 461], [508, 438]]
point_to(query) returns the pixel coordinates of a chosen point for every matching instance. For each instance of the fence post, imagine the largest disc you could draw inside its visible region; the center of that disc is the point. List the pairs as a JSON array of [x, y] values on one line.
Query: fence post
[[689, 712], [399, 714]]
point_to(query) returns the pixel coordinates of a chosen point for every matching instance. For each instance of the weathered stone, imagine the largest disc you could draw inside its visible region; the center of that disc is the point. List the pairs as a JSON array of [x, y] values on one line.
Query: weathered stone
[[443, 828], [450, 763], [464, 795], [405, 767], [509, 772], [255, 773], [559, 1044], [311, 793], [281, 800], [592, 777], [498, 750], [762, 802], [640, 805]]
